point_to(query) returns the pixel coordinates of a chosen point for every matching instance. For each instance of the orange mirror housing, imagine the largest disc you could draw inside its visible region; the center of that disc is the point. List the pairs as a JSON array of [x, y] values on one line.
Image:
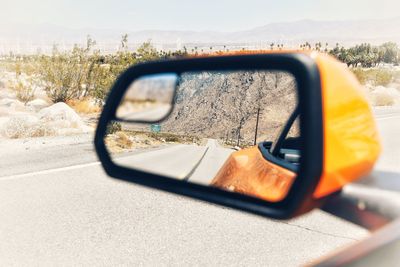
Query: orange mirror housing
[[351, 141]]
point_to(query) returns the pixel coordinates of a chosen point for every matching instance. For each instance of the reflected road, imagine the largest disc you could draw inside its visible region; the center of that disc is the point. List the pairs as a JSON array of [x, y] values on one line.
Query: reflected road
[[196, 163]]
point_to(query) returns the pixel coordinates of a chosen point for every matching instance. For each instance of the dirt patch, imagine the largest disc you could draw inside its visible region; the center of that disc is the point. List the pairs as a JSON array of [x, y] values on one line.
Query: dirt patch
[[123, 141]]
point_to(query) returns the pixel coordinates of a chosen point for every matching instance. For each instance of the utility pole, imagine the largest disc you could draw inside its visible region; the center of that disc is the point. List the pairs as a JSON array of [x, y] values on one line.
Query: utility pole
[[238, 140], [255, 135], [232, 137], [240, 127]]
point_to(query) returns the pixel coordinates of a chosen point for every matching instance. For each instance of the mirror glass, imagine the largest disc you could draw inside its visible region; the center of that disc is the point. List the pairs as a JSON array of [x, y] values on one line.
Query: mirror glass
[[236, 130], [148, 98]]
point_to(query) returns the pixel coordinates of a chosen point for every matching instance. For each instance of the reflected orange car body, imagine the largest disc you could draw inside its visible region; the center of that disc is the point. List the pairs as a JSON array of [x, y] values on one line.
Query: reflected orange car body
[[247, 172]]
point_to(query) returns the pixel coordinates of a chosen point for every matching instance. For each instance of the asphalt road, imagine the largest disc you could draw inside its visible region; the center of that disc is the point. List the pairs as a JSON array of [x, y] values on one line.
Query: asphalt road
[[58, 207], [388, 120], [211, 163], [194, 163]]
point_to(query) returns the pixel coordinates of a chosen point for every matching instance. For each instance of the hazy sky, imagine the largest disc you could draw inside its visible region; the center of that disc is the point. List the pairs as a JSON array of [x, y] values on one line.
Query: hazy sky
[[219, 15]]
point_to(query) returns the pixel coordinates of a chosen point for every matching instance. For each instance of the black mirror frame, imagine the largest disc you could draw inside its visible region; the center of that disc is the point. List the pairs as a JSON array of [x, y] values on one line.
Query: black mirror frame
[[300, 196]]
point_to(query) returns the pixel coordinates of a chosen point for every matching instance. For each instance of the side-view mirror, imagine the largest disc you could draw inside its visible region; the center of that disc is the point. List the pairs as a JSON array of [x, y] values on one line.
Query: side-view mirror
[[272, 134]]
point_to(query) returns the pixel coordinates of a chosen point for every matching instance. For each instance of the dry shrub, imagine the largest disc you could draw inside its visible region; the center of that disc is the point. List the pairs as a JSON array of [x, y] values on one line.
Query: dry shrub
[[112, 145], [382, 96], [123, 140], [113, 127], [118, 142], [42, 130], [172, 138], [24, 92], [378, 77], [85, 106], [383, 78], [383, 100], [24, 127]]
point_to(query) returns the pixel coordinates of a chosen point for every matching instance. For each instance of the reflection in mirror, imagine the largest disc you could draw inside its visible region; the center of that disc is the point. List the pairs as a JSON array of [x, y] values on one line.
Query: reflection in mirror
[[211, 136], [148, 98]]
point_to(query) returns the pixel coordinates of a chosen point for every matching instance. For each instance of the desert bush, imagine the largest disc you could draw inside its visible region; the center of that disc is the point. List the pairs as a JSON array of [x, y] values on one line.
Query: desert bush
[[172, 137], [118, 142], [63, 75], [113, 127], [25, 90], [361, 75], [85, 105], [24, 127], [24, 93], [123, 140], [377, 77], [382, 96], [18, 70], [383, 78], [383, 99]]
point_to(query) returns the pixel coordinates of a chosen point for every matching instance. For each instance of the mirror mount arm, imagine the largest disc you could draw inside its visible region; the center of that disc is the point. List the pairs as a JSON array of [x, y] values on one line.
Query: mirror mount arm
[[364, 206]]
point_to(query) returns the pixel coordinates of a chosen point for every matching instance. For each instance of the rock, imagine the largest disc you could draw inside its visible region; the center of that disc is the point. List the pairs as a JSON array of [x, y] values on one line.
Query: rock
[[4, 111], [62, 119], [4, 93], [19, 126], [40, 93], [62, 113], [3, 120], [37, 104], [12, 104], [395, 85]]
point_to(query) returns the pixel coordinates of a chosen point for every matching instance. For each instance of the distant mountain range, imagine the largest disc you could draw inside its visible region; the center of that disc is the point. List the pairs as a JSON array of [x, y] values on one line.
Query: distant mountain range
[[288, 33]]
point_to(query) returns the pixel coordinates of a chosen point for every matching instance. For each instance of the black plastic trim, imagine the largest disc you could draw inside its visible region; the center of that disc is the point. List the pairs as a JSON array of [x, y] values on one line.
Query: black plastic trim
[[265, 147], [278, 142]]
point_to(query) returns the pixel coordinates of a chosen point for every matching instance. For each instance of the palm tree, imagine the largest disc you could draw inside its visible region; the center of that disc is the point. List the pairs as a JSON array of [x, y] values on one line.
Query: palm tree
[[124, 42], [326, 48], [271, 45]]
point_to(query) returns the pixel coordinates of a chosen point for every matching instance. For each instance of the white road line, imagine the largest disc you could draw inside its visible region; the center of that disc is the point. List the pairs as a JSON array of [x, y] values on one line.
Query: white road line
[[17, 176]]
